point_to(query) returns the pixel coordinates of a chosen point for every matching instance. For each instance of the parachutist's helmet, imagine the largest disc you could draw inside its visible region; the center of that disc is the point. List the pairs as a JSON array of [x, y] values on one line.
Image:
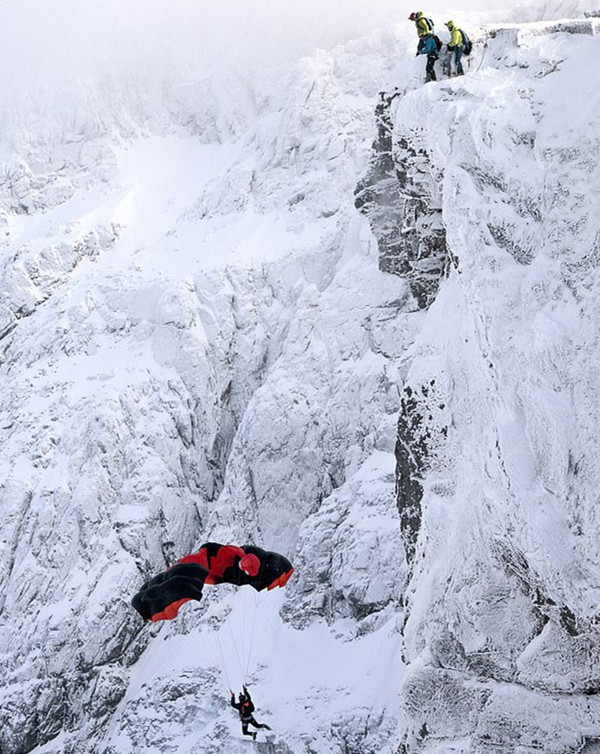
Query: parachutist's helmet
[[243, 698]]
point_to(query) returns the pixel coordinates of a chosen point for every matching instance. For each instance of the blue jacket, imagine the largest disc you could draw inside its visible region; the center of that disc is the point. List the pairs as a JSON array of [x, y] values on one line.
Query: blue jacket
[[427, 46]]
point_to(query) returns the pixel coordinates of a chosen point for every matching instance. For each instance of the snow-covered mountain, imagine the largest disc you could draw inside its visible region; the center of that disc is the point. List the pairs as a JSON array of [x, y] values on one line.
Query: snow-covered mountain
[[335, 313], [502, 611]]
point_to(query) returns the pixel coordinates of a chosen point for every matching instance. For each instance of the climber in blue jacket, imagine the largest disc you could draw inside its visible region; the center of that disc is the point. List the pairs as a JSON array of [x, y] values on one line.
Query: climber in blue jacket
[[428, 46]]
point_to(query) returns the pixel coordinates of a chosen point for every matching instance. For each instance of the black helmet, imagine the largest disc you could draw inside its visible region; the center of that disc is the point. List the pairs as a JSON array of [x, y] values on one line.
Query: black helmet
[[412, 17], [243, 698]]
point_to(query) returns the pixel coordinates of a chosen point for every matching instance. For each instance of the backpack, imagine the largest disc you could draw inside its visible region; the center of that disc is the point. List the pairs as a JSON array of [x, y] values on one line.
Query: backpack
[[438, 42], [428, 25], [468, 46]]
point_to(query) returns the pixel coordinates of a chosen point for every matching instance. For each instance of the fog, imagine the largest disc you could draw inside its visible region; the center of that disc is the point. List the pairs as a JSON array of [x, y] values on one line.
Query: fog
[[64, 60], [44, 41], [41, 40]]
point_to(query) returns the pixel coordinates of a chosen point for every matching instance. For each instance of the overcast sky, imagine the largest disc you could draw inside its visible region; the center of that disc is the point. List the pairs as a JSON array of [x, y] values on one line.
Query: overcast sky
[[45, 40], [40, 36]]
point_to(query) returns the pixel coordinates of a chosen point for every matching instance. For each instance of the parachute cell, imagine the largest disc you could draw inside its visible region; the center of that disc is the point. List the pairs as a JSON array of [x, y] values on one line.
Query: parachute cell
[[161, 597]]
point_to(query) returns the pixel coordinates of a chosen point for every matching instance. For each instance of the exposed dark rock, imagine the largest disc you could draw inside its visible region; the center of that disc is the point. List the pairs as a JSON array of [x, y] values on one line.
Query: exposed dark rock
[[396, 197], [418, 432]]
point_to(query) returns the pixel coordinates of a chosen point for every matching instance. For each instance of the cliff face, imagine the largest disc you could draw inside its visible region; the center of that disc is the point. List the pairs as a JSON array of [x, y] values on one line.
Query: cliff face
[[197, 345], [400, 196], [202, 339], [496, 479]]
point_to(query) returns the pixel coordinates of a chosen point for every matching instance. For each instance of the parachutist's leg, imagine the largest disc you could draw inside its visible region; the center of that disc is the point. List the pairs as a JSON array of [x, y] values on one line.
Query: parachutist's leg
[[245, 730], [457, 56], [256, 724]]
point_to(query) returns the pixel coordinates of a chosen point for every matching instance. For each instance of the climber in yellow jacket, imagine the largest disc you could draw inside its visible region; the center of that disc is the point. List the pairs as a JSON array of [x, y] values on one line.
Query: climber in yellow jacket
[[457, 45], [424, 25]]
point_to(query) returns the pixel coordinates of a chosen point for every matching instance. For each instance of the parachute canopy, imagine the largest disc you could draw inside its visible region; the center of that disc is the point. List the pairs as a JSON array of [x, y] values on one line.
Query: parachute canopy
[[161, 597]]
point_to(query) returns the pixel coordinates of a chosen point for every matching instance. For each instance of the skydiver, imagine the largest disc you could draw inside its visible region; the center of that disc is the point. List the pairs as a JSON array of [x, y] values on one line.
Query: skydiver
[[245, 707]]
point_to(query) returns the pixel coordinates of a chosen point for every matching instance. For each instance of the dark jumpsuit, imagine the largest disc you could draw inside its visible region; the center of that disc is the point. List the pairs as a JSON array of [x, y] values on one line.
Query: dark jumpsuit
[[246, 709]]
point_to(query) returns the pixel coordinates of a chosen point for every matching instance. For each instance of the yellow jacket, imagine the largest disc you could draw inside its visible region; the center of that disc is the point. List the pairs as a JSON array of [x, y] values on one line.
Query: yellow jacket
[[423, 26], [457, 39]]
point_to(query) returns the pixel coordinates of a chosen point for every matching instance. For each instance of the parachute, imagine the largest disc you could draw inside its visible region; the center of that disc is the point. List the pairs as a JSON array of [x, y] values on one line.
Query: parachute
[[161, 597]]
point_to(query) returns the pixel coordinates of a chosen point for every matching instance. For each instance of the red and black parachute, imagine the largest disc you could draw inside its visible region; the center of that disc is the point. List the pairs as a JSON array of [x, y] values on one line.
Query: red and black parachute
[[162, 596]]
